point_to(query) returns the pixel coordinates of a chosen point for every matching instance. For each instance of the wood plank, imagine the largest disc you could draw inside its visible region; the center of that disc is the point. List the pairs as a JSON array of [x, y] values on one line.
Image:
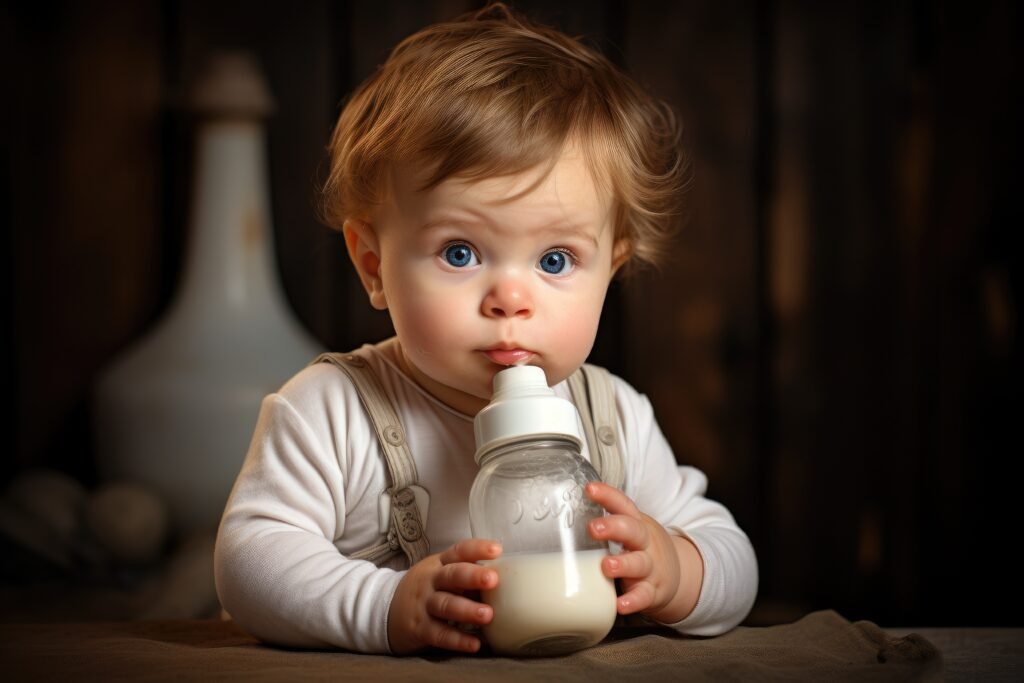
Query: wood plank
[[692, 326], [85, 154]]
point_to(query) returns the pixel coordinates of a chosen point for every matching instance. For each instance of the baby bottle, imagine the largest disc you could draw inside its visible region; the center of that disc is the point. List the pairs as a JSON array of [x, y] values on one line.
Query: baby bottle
[[551, 596]]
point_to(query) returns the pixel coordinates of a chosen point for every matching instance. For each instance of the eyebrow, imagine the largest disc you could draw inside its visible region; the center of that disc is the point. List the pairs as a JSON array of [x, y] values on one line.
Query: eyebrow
[[575, 231], [557, 228]]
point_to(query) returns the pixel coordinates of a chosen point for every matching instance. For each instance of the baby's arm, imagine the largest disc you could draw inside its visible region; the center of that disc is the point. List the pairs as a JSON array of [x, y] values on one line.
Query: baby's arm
[[278, 571], [670, 501]]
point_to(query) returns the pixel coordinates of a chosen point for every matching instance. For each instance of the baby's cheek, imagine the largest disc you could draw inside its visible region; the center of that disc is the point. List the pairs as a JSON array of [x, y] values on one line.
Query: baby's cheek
[[570, 340], [426, 323]]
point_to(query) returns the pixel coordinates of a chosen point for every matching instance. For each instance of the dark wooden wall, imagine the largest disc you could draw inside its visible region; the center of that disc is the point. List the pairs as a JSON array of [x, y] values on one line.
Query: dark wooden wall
[[835, 340]]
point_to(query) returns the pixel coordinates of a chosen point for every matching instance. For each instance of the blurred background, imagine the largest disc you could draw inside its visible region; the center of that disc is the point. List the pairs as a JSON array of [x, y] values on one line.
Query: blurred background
[[834, 341]]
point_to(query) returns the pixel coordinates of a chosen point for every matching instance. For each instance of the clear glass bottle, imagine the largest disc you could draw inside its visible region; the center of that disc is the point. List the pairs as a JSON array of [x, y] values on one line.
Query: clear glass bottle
[[552, 597]]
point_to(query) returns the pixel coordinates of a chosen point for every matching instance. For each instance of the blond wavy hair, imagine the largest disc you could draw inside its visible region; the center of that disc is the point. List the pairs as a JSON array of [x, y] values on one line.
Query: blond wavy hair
[[492, 94]]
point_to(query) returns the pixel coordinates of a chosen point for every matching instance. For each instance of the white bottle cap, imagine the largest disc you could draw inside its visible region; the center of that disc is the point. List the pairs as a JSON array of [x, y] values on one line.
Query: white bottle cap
[[524, 406]]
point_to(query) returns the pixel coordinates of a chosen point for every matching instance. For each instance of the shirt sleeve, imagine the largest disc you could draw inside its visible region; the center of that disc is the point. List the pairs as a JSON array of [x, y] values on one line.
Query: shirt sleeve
[[277, 569], [674, 495]]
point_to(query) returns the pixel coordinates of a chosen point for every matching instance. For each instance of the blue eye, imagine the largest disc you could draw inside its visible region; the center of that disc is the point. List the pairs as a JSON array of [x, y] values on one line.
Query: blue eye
[[556, 262], [459, 255]]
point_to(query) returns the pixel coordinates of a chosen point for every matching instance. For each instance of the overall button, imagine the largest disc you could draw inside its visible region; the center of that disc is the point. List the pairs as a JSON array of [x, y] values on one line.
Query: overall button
[[406, 515], [394, 436]]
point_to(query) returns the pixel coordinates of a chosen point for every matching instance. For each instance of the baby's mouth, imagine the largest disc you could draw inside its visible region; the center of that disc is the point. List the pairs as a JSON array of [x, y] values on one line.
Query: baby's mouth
[[509, 356]]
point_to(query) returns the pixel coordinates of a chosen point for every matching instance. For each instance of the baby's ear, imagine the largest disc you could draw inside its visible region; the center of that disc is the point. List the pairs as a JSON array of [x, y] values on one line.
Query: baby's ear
[[364, 250], [621, 251]]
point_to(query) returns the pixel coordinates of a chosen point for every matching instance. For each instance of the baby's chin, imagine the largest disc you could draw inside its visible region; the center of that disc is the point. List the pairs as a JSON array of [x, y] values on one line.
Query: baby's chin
[[472, 391], [465, 394]]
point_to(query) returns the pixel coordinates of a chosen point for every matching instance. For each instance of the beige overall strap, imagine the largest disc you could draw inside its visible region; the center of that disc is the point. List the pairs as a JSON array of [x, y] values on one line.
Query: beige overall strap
[[594, 394], [405, 531]]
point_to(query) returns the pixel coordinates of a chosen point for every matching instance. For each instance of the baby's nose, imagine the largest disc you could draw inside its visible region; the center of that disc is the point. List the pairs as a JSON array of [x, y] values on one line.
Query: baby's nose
[[508, 298]]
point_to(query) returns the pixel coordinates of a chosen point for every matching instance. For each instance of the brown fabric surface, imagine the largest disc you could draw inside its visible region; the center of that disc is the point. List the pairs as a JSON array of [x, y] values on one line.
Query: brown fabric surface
[[822, 646]]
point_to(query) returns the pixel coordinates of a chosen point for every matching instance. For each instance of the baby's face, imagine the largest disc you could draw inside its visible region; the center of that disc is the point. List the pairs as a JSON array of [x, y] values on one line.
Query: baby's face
[[479, 275]]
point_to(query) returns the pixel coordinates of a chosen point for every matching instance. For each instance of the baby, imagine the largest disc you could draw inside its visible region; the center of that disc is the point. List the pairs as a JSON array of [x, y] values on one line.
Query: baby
[[491, 178]]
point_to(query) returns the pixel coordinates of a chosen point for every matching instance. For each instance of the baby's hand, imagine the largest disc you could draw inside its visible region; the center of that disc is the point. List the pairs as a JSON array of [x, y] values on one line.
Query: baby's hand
[[432, 592], [649, 566]]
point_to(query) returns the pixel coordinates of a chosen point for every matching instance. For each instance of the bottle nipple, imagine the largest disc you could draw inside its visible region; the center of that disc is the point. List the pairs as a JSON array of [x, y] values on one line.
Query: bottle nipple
[[519, 381], [524, 406]]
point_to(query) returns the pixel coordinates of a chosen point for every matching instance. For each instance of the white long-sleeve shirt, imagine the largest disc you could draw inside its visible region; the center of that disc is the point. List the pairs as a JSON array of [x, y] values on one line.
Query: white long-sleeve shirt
[[308, 492]]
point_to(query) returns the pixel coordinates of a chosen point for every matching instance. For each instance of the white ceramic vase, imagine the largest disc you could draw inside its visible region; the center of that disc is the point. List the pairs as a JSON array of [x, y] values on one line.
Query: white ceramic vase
[[176, 411]]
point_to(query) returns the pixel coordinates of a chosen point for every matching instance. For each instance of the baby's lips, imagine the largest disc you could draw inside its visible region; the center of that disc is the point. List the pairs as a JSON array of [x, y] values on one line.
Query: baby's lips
[[509, 356]]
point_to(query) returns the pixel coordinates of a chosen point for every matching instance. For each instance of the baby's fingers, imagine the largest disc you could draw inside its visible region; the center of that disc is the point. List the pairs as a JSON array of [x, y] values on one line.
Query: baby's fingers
[[447, 606], [636, 565], [438, 634], [471, 550], [464, 576], [612, 499], [639, 597], [631, 532]]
